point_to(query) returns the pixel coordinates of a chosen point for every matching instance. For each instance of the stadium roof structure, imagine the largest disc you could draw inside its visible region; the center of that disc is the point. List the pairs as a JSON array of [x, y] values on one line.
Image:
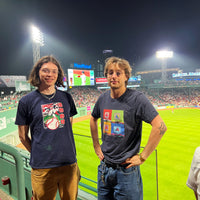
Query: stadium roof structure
[[157, 71]]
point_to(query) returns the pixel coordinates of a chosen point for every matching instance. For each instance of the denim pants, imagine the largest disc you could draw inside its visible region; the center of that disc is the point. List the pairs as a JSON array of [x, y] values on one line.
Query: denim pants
[[119, 183]]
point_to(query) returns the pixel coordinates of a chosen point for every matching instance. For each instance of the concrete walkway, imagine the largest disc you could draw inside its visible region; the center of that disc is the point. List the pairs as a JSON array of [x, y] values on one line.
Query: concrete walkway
[[4, 196]]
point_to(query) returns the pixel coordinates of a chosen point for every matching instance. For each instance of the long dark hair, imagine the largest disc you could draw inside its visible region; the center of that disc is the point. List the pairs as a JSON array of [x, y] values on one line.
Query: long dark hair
[[34, 78]]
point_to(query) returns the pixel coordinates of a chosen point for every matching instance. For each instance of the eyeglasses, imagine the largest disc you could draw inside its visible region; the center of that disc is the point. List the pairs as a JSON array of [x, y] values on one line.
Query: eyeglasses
[[48, 71], [118, 73]]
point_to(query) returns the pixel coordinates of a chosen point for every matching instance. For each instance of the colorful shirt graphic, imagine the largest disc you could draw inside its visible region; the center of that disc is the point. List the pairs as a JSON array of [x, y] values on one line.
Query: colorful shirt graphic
[[53, 115], [113, 122]]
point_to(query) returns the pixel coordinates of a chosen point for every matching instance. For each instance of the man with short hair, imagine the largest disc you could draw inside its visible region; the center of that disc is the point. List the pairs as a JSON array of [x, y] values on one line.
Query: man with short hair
[[122, 111]]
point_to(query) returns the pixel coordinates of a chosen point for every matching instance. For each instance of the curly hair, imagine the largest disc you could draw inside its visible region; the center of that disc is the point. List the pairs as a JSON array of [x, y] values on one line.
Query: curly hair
[[34, 78]]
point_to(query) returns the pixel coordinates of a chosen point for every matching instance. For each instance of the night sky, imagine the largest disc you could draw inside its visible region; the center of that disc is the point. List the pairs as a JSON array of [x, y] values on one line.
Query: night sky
[[79, 30]]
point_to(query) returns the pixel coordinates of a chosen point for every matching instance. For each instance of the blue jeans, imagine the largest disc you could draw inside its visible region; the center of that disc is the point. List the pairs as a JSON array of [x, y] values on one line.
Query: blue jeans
[[119, 183]]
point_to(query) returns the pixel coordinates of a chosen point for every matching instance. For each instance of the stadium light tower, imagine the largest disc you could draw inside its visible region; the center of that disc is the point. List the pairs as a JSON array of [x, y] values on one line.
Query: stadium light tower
[[37, 42], [164, 55]]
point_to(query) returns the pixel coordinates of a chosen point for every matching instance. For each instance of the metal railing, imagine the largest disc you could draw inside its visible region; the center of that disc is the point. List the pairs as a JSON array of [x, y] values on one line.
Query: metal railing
[[20, 159], [19, 168]]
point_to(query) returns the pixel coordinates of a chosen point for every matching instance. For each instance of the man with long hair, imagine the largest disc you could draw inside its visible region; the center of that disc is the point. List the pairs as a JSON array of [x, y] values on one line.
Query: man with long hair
[[48, 113]]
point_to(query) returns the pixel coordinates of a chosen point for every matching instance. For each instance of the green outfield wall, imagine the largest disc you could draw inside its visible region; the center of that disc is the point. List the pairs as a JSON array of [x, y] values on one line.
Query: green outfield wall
[[7, 119]]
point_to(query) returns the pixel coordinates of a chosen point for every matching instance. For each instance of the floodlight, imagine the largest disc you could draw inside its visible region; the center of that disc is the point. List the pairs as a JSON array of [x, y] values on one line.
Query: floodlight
[[37, 36], [37, 42], [164, 54]]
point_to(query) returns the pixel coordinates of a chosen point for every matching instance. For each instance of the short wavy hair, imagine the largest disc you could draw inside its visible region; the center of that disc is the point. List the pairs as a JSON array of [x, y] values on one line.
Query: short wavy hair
[[34, 78], [122, 63]]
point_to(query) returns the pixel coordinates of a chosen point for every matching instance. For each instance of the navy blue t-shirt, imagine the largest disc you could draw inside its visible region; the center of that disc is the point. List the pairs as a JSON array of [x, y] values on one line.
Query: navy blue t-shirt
[[121, 123], [52, 140]]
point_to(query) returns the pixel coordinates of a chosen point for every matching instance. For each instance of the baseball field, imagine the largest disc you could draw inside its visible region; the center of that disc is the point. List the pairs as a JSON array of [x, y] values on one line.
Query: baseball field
[[165, 176]]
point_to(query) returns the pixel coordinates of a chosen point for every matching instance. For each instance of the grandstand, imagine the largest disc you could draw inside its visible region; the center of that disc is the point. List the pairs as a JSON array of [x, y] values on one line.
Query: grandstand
[[181, 92]]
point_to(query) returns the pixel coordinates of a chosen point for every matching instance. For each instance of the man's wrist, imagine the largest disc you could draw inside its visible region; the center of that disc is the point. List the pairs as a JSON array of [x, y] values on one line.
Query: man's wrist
[[141, 158]]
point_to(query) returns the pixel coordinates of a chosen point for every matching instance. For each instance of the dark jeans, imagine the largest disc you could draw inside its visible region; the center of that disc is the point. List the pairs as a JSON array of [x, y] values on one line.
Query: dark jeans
[[119, 183]]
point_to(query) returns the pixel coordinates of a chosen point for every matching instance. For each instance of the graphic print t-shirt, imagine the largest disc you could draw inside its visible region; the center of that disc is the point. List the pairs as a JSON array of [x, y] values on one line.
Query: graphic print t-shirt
[[53, 115], [52, 141], [121, 123], [113, 122]]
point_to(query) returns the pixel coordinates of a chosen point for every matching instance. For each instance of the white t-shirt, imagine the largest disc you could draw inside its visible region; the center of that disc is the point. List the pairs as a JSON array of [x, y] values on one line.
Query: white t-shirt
[[193, 181]]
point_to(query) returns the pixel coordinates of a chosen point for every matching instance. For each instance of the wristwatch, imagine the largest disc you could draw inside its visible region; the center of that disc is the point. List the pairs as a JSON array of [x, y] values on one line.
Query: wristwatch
[[141, 158]]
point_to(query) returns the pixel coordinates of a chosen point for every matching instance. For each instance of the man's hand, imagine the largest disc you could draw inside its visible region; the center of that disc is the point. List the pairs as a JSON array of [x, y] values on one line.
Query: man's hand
[[133, 161], [99, 152]]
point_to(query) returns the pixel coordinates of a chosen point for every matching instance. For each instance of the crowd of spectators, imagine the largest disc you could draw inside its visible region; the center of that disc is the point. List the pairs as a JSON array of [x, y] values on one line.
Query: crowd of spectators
[[84, 96], [9, 101], [178, 97], [175, 97], [87, 96]]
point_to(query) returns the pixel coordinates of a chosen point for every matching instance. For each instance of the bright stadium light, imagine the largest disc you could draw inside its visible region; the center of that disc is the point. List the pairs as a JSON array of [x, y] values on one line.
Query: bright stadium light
[[37, 42], [164, 55], [37, 36]]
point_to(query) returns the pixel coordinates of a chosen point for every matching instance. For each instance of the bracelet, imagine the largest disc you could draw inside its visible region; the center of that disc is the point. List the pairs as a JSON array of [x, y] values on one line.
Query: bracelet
[[141, 158]]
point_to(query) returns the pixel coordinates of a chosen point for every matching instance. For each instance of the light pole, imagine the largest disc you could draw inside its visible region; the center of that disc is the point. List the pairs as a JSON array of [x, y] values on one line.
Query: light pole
[[164, 55], [37, 42]]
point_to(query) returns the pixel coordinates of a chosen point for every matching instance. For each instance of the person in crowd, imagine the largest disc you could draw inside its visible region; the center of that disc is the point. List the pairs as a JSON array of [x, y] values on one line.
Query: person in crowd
[[122, 111], [193, 181], [48, 113]]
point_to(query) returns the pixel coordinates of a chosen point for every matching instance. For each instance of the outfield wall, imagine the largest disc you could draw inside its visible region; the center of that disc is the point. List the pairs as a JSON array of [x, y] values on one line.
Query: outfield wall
[[7, 121], [84, 111], [170, 106]]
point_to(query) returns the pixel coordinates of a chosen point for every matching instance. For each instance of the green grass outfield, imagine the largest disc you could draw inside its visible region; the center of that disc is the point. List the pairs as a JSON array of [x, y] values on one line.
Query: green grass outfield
[[174, 153]]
